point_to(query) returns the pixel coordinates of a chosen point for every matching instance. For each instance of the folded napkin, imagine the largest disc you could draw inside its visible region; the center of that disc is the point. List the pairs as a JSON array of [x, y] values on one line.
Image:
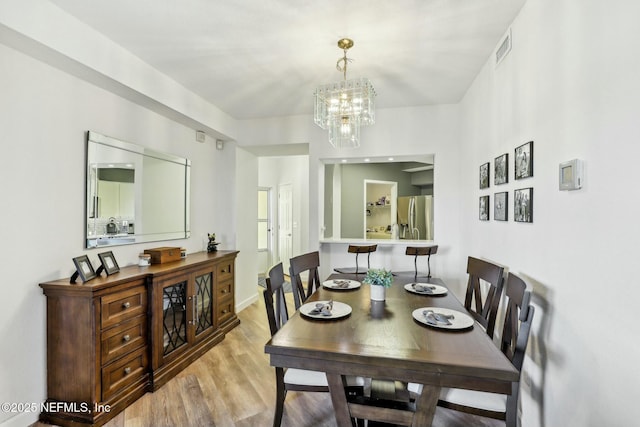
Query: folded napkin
[[423, 289], [322, 308], [436, 319], [340, 283]]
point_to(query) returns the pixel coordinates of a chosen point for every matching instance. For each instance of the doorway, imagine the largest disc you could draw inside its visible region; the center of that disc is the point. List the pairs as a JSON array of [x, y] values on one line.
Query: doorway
[[265, 229], [285, 224], [380, 209]]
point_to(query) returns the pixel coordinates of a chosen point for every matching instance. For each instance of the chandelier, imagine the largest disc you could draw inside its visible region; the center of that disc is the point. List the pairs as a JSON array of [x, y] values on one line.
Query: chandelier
[[345, 106]]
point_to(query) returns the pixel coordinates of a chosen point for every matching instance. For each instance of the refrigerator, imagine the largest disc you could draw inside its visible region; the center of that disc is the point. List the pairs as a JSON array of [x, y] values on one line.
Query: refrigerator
[[415, 217]]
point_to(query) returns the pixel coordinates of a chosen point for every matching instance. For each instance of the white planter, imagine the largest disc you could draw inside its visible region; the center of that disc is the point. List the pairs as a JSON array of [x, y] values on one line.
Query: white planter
[[377, 292]]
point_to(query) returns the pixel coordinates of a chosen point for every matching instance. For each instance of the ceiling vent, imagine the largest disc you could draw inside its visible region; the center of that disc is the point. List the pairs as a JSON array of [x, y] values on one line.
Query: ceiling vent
[[504, 47]]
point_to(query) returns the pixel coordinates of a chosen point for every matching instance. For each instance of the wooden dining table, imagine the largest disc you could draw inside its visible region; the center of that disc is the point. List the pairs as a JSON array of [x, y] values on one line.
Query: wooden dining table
[[381, 340]]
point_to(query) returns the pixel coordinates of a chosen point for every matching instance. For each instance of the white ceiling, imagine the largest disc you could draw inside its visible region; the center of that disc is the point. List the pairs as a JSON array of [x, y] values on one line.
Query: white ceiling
[[263, 58]]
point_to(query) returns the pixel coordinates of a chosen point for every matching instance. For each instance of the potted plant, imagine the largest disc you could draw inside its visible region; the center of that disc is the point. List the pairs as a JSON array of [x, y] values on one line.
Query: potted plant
[[379, 279]]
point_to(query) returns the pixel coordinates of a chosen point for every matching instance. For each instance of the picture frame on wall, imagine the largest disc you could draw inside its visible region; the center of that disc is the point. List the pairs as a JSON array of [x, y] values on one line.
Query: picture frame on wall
[[524, 161], [523, 205], [501, 206], [84, 269], [501, 169], [484, 176], [108, 263], [484, 208]]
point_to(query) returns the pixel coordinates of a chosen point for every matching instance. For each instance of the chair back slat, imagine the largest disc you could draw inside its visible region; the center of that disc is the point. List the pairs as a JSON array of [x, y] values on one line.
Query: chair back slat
[[484, 310], [274, 299], [517, 321], [307, 262]]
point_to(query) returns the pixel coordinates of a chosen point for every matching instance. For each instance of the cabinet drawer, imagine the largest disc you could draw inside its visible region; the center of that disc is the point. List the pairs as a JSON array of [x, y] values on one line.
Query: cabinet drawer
[[225, 270], [225, 310], [120, 340], [123, 305], [124, 372], [224, 290]]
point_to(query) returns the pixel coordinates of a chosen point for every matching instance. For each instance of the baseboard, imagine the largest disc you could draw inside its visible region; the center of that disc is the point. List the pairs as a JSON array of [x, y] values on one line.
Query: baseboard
[[246, 303], [21, 420]]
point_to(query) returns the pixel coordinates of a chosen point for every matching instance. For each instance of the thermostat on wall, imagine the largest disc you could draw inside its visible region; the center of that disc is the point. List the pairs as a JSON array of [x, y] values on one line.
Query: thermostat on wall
[[570, 175]]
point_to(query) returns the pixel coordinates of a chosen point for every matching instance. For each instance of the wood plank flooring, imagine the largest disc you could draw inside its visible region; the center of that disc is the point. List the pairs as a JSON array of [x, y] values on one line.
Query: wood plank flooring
[[233, 385]]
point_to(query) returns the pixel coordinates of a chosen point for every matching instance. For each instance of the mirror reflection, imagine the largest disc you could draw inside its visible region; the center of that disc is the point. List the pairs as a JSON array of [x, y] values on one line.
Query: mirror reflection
[[134, 194], [379, 199]]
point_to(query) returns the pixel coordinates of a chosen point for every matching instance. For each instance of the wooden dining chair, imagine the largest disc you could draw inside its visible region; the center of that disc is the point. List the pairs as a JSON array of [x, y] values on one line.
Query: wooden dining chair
[[292, 379], [358, 249], [484, 309], [277, 315], [298, 265], [513, 343]]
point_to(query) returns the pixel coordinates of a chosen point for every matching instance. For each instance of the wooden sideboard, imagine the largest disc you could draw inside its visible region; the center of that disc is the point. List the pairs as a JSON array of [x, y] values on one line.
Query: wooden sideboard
[[112, 339]]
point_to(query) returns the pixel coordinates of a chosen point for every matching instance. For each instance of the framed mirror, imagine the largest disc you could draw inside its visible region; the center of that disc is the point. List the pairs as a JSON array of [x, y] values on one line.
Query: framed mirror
[[379, 198], [134, 194]]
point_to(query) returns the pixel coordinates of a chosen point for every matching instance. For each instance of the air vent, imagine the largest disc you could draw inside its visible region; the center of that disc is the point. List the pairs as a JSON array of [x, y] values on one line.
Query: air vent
[[505, 47]]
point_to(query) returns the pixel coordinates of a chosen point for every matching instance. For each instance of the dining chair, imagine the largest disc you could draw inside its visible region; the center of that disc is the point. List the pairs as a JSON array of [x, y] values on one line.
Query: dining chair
[[484, 310], [358, 249], [513, 343], [309, 263], [291, 379]]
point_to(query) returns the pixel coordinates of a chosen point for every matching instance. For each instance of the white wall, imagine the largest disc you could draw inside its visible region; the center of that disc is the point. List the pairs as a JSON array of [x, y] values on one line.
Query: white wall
[[44, 116], [571, 85], [293, 170]]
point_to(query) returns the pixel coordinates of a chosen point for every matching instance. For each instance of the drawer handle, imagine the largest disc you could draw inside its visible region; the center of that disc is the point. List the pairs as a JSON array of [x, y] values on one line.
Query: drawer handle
[[126, 305], [225, 311], [224, 291], [127, 370], [126, 338]]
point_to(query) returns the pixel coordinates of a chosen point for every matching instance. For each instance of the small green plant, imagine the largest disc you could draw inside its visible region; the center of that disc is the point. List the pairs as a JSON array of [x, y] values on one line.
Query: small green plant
[[378, 277]]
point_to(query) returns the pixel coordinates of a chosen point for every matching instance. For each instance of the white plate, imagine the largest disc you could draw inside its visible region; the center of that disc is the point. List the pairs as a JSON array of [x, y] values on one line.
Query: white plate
[[339, 310], [353, 284], [460, 320], [439, 290]]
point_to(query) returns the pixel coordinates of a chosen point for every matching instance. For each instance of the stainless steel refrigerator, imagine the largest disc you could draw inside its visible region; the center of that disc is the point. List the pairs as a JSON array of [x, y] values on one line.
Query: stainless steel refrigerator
[[415, 217]]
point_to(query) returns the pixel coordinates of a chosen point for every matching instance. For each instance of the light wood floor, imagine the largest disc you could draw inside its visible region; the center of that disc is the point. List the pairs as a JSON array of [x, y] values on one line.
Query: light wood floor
[[233, 386]]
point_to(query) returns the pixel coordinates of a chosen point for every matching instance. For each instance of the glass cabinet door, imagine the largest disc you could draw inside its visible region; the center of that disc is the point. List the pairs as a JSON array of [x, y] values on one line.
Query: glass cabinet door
[[174, 316], [203, 302]]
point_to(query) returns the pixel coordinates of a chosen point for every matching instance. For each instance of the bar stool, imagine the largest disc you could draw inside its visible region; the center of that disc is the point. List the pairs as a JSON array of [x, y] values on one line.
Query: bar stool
[[417, 251], [355, 249]]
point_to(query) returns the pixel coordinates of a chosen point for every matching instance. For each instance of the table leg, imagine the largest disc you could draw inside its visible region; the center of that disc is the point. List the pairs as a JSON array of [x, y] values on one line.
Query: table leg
[[426, 406], [339, 400]]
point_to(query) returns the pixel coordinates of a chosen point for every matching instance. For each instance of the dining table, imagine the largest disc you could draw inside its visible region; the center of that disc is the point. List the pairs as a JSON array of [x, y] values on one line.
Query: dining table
[[390, 340]]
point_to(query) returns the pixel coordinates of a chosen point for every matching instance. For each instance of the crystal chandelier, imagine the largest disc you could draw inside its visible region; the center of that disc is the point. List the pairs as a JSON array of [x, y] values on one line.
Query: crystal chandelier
[[345, 106]]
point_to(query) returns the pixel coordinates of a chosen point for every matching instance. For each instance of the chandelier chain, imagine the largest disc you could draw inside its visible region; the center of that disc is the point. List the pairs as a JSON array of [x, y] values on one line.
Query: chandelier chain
[[341, 65]]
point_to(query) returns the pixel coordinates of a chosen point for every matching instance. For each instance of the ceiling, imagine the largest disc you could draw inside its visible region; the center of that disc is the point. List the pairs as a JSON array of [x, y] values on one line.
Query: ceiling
[[263, 58]]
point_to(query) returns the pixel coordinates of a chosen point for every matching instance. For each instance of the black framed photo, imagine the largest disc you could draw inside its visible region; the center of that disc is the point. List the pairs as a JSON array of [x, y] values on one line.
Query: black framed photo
[[484, 208], [524, 161], [501, 206], [501, 169], [109, 263], [484, 176], [523, 205], [84, 269]]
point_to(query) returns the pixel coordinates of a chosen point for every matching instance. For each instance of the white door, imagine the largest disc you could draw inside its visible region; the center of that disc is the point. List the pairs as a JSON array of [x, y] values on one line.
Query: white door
[[285, 224], [265, 233]]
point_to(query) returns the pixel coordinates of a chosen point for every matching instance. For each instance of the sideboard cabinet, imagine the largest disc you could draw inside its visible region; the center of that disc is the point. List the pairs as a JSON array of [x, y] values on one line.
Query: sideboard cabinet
[[114, 338]]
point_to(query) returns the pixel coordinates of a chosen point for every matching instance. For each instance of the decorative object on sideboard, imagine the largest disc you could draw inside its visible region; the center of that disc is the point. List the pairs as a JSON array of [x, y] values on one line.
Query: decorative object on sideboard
[[84, 269], [108, 264], [212, 246], [164, 254], [144, 260]]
